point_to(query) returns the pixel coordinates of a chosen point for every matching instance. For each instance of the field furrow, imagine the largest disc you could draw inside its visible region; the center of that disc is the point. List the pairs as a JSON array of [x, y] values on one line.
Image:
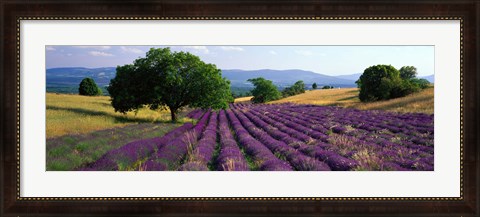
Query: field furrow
[[260, 130], [199, 155], [172, 154], [387, 151], [230, 157], [262, 157]]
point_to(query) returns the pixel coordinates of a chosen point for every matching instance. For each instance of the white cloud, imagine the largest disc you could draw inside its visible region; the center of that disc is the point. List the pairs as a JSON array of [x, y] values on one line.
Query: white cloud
[[273, 52], [304, 52], [198, 49], [131, 50], [94, 47], [69, 54], [100, 54], [49, 48], [231, 48]]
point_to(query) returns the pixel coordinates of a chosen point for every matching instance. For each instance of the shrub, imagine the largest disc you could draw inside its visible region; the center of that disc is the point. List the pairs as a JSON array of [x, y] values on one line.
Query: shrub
[[88, 87]]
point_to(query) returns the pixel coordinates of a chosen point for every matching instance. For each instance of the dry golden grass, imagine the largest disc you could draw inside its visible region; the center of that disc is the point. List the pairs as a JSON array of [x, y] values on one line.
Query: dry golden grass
[[338, 97], [243, 99], [75, 114], [421, 102]]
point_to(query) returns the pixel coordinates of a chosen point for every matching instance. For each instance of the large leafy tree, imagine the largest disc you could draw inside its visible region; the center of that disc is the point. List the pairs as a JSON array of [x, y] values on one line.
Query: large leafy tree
[[166, 79], [314, 86], [88, 87], [379, 82], [382, 82], [264, 90]]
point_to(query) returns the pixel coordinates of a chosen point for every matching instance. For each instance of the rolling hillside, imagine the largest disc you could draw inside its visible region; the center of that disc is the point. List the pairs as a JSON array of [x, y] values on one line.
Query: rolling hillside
[[421, 102]]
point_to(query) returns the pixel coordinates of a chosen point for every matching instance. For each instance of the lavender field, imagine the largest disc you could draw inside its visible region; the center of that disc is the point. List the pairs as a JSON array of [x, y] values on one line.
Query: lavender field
[[283, 137]]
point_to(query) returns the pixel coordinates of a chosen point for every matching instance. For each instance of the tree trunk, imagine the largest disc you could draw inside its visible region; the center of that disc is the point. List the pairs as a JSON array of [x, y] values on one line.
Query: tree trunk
[[173, 113]]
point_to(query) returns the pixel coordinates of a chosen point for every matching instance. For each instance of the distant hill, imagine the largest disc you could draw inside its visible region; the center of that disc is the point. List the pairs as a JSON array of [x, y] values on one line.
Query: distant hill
[[66, 80], [430, 78], [74, 75], [351, 77], [356, 76], [284, 78]]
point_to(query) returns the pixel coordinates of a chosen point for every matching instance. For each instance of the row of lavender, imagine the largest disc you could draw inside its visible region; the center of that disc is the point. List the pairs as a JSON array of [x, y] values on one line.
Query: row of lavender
[[374, 140], [283, 137], [187, 148]]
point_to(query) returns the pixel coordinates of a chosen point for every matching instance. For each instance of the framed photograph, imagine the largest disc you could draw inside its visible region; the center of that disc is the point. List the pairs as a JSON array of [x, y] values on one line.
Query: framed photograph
[[232, 108]]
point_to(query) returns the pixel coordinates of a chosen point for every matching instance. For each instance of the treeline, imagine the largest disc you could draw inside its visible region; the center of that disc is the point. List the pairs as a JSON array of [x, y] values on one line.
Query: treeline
[[265, 91], [297, 88]]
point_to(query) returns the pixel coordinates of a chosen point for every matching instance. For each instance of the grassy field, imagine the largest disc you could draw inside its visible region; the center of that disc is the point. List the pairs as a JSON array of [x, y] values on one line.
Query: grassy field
[[421, 102], [243, 99], [68, 152], [75, 114], [80, 129]]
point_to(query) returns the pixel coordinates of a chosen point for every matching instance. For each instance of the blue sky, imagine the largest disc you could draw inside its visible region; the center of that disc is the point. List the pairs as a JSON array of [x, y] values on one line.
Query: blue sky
[[329, 60]]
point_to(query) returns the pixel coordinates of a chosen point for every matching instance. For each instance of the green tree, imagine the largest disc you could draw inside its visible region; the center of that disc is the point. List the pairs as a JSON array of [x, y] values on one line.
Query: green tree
[[327, 87], [408, 72], [379, 82], [314, 86], [88, 87], [165, 79], [297, 88], [264, 90], [382, 82]]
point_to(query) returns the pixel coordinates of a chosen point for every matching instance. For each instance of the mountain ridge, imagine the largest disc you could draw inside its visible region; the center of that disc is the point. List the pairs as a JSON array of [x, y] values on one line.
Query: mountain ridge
[[72, 76]]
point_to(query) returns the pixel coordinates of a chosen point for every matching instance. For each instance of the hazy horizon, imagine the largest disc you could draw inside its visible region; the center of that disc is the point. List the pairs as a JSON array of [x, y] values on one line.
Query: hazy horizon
[[328, 60]]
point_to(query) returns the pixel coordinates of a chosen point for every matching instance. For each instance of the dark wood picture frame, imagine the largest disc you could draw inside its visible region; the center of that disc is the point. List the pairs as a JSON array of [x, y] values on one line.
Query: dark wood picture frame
[[468, 11]]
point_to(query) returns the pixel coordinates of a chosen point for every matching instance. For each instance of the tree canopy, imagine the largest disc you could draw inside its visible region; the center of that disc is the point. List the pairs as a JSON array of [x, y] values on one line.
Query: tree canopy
[[314, 86], [165, 79], [88, 87], [297, 88], [408, 72], [383, 82], [264, 90]]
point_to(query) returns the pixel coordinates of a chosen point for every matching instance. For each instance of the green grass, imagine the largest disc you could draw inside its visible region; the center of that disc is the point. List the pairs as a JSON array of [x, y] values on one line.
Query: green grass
[[80, 129], [69, 152]]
